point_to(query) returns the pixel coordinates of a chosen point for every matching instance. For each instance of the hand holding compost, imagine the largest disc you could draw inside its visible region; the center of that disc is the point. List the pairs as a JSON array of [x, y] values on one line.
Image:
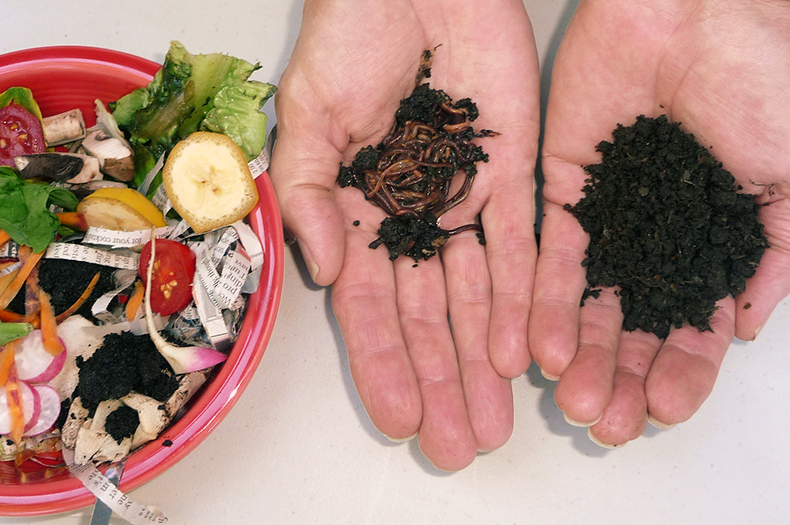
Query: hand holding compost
[[667, 227], [410, 172], [412, 333], [86, 364], [704, 66]]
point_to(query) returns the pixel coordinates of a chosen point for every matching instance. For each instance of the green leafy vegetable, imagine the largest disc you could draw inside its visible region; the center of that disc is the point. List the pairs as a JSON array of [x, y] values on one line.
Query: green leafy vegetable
[[190, 93], [24, 209], [236, 113]]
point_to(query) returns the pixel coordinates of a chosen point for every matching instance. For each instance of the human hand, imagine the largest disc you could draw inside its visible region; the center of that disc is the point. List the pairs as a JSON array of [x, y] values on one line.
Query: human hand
[[417, 372], [721, 68]]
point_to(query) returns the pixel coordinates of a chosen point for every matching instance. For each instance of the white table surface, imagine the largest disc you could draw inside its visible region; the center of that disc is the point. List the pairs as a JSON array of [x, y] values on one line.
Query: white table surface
[[298, 447]]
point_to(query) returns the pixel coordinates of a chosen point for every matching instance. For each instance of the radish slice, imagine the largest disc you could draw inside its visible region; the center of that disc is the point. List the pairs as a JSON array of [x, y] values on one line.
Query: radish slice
[[49, 403], [28, 406], [33, 363], [36, 411]]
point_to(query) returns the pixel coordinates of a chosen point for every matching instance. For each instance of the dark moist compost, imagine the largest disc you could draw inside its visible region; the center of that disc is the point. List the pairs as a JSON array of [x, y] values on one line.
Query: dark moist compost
[[124, 363], [122, 423], [408, 174], [667, 226], [65, 281]]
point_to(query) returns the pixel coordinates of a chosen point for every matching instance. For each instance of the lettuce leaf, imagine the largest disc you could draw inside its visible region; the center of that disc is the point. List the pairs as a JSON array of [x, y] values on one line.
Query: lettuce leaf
[[236, 113], [189, 93]]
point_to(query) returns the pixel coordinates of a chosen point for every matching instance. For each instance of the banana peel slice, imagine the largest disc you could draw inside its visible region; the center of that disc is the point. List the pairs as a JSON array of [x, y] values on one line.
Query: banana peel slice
[[208, 181]]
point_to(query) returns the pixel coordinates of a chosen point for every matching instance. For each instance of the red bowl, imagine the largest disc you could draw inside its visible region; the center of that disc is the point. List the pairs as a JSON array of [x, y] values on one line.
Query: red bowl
[[66, 77]]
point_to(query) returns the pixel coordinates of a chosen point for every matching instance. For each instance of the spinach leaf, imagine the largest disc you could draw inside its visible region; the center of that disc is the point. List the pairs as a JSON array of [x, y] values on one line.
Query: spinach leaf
[[24, 209]]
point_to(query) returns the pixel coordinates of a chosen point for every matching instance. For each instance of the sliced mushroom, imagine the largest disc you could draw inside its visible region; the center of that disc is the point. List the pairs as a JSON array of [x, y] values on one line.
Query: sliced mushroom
[[115, 157], [63, 167]]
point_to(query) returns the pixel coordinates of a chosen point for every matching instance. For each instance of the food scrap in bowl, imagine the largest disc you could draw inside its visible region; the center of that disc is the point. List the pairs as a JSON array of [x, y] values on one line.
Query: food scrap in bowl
[[115, 310]]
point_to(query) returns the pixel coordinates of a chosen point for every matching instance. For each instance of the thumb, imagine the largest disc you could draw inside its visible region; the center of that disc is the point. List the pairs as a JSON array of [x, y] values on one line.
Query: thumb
[[771, 282], [303, 178]]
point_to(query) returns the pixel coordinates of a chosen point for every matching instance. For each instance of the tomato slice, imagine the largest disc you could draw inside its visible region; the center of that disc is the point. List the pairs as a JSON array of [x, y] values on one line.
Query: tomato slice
[[171, 278], [21, 133]]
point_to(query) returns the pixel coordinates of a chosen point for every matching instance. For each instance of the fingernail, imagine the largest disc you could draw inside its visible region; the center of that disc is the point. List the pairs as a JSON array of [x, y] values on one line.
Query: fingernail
[[579, 423], [401, 440], [549, 376], [757, 332], [658, 424], [313, 268], [311, 265], [601, 443]]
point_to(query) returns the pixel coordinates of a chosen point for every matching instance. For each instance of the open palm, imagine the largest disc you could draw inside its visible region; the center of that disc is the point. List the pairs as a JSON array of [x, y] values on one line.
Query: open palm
[[722, 69], [430, 347]]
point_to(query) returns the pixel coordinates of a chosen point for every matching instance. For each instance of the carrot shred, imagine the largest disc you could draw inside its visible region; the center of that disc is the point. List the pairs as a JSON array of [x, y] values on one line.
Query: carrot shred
[[4, 238], [38, 299], [7, 316], [15, 411], [32, 302], [135, 301], [33, 318], [62, 316], [49, 326], [7, 356], [29, 262], [6, 279]]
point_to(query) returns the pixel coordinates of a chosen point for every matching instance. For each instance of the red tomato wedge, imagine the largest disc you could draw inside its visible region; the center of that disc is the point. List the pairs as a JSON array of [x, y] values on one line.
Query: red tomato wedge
[[171, 279], [21, 133]]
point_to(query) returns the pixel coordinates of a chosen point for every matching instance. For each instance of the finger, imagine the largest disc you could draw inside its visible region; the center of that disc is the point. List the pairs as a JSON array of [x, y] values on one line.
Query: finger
[[506, 91], [445, 436], [511, 254], [686, 367], [364, 302], [625, 417], [489, 399], [559, 283], [771, 283], [316, 223], [304, 169], [585, 388]]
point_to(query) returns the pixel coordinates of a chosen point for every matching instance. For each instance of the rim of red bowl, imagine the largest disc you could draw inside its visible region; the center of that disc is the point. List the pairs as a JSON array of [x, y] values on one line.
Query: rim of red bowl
[[218, 397]]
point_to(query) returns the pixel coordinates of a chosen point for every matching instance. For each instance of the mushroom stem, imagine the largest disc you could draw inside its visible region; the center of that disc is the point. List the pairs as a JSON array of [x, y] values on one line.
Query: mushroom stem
[[64, 128]]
